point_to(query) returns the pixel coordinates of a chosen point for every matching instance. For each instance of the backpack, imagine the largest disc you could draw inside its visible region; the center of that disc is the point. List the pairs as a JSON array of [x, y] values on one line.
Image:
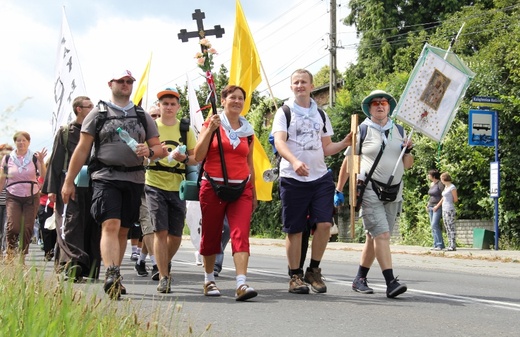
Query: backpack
[[184, 127], [101, 118], [363, 133], [6, 170]]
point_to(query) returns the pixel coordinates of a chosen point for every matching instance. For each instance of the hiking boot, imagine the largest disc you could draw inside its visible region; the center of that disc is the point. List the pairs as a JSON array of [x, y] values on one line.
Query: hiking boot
[[155, 273], [394, 288], [360, 285], [164, 285], [297, 286], [140, 268], [245, 292], [134, 257], [314, 278], [112, 284], [210, 289]]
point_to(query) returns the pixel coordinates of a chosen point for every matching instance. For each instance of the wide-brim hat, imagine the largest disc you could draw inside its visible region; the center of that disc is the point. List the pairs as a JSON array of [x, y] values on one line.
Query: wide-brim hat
[[168, 91], [365, 104]]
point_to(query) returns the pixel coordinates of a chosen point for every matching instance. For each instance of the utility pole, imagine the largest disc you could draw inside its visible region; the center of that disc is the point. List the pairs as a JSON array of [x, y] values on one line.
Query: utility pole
[[332, 49]]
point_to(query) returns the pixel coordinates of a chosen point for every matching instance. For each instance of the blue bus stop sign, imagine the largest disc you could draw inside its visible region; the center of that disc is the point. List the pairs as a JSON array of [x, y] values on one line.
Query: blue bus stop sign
[[482, 128]]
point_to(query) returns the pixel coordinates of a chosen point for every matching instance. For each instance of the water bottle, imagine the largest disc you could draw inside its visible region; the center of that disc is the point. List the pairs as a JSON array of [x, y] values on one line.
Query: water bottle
[[179, 149], [127, 139]]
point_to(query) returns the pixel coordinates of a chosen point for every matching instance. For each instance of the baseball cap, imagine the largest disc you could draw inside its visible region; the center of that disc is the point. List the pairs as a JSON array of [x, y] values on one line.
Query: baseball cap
[[168, 91], [120, 74]]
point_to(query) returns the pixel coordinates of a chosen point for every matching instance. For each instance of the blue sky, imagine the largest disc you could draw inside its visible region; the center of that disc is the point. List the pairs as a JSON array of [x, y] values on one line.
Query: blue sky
[[111, 34]]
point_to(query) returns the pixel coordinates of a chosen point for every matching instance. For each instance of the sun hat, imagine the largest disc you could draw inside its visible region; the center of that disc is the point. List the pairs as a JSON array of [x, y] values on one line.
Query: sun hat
[[365, 104], [168, 91], [120, 74]]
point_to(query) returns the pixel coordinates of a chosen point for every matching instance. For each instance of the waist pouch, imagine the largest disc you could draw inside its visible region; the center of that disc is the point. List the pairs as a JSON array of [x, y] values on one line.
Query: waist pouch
[[227, 192], [385, 192]]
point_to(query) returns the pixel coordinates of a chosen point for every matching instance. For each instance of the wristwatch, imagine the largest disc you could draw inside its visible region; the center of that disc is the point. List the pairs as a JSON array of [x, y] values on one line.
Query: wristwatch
[[185, 161], [151, 152]]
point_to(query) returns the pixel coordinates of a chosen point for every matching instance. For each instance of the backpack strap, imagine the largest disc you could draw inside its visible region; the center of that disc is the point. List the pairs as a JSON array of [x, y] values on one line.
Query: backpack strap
[[6, 169], [65, 141], [184, 128]]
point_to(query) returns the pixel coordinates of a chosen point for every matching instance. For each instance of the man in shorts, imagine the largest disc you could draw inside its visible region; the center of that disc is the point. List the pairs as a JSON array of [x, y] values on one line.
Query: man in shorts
[[116, 170]]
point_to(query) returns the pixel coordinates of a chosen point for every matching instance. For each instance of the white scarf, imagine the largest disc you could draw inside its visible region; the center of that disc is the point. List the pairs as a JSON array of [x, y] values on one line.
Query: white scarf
[[245, 129], [117, 107], [388, 126], [301, 111], [25, 160]]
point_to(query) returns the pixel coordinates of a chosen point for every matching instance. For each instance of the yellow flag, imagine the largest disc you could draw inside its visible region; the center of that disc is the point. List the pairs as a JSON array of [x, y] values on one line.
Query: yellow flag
[[143, 84], [245, 72]]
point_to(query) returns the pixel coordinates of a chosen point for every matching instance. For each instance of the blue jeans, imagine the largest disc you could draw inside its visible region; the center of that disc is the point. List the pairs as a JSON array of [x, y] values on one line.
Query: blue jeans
[[435, 219], [223, 243]]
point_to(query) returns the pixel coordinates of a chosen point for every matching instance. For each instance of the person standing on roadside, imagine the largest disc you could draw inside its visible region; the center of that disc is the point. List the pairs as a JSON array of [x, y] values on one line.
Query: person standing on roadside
[[447, 203], [435, 193], [116, 170], [306, 186]]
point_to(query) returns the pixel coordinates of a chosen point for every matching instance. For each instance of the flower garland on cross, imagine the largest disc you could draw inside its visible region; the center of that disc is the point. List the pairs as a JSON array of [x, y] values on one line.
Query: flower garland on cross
[[205, 62]]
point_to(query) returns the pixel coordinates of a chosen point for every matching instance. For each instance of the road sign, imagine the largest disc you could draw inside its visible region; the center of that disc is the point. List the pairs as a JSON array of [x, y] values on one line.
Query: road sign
[[488, 102], [481, 127]]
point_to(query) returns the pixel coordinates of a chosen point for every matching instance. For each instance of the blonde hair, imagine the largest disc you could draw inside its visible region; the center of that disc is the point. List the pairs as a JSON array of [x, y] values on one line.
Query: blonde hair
[[446, 176]]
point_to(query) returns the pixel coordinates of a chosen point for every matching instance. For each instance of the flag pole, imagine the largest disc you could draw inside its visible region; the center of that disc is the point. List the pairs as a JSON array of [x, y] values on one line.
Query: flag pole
[[268, 85]]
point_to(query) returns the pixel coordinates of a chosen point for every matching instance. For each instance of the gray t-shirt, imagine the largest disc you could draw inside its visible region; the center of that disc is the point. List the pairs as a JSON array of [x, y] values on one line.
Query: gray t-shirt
[[113, 151]]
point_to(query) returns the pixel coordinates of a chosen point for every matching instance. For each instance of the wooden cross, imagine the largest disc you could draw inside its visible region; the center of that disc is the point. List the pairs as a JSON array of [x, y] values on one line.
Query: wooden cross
[[198, 16]]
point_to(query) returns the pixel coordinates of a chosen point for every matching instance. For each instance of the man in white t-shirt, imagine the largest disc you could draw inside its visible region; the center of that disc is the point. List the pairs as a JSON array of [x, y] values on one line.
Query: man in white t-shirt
[[306, 186]]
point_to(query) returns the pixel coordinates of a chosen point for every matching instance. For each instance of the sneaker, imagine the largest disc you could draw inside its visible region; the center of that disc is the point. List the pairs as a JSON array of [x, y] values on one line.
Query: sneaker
[[198, 259], [216, 271], [164, 285], [314, 278], [297, 286], [210, 289], [112, 284], [134, 257], [140, 268], [451, 249], [360, 285], [394, 288], [155, 273], [245, 292]]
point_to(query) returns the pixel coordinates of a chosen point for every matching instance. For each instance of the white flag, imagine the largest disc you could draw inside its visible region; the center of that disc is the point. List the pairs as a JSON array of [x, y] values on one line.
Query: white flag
[[196, 118], [69, 79]]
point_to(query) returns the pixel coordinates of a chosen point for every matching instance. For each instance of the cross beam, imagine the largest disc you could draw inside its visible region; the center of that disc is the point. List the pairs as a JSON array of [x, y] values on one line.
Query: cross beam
[[198, 16]]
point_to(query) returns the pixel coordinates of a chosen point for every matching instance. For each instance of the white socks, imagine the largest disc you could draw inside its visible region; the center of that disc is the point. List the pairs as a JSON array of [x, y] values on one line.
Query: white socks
[[241, 279]]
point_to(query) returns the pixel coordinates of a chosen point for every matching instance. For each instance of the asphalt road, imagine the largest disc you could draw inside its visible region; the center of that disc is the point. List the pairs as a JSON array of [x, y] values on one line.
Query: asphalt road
[[468, 293]]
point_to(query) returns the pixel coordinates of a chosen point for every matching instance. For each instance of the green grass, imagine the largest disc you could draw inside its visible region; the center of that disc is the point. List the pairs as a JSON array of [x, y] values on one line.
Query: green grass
[[33, 303]]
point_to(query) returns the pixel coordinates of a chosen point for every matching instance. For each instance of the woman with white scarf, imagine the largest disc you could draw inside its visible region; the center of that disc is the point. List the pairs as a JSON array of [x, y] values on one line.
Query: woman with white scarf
[[19, 176], [237, 145]]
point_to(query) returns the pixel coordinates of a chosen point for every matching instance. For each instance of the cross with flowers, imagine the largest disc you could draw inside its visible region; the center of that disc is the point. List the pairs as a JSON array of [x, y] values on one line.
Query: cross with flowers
[[205, 57]]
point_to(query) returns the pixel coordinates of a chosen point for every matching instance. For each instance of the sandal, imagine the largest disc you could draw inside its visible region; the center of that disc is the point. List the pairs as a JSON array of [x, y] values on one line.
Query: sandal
[[245, 292], [210, 289]]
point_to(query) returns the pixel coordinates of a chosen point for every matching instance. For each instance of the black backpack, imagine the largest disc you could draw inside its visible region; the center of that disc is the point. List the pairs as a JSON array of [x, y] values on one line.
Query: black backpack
[[101, 118]]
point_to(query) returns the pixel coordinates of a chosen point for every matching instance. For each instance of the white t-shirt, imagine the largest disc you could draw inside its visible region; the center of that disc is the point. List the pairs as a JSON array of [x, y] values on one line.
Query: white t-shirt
[[304, 142]]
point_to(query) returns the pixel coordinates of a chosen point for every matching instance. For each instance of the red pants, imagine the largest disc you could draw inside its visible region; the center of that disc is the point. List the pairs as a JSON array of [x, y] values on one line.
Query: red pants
[[214, 210]]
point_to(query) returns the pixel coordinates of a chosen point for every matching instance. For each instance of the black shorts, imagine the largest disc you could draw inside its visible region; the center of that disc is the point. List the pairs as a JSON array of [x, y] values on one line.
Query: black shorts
[[116, 199]]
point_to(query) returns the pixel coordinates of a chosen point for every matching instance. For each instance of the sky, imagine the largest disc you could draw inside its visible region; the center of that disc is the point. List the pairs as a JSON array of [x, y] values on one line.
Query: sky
[[112, 35]]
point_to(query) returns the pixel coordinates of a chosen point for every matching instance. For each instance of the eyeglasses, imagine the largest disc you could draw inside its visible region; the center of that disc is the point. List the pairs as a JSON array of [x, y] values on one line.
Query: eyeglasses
[[129, 82], [378, 103], [155, 115], [87, 107]]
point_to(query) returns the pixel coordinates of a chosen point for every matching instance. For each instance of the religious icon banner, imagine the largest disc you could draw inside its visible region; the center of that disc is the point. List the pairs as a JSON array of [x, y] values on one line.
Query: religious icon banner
[[433, 93]]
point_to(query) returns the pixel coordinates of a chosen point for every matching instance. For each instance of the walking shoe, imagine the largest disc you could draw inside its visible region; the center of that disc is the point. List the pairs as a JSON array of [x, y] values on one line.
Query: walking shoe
[[314, 278], [122, 287], [134, 256], [140, 268], [210, 289], [297, 286], [216, 271], [360, 285], [451, 249], [245, 292], [155, 273], [112, 284], [75, 273], [164, 285], [394, 288]]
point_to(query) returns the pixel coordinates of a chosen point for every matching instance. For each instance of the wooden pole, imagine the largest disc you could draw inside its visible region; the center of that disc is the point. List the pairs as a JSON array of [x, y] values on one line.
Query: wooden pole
[[353, 171]]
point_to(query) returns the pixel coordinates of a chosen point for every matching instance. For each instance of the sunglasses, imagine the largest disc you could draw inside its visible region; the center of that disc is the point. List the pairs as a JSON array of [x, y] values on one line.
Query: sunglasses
[[129, 82], [155, 115], [378, 103]]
